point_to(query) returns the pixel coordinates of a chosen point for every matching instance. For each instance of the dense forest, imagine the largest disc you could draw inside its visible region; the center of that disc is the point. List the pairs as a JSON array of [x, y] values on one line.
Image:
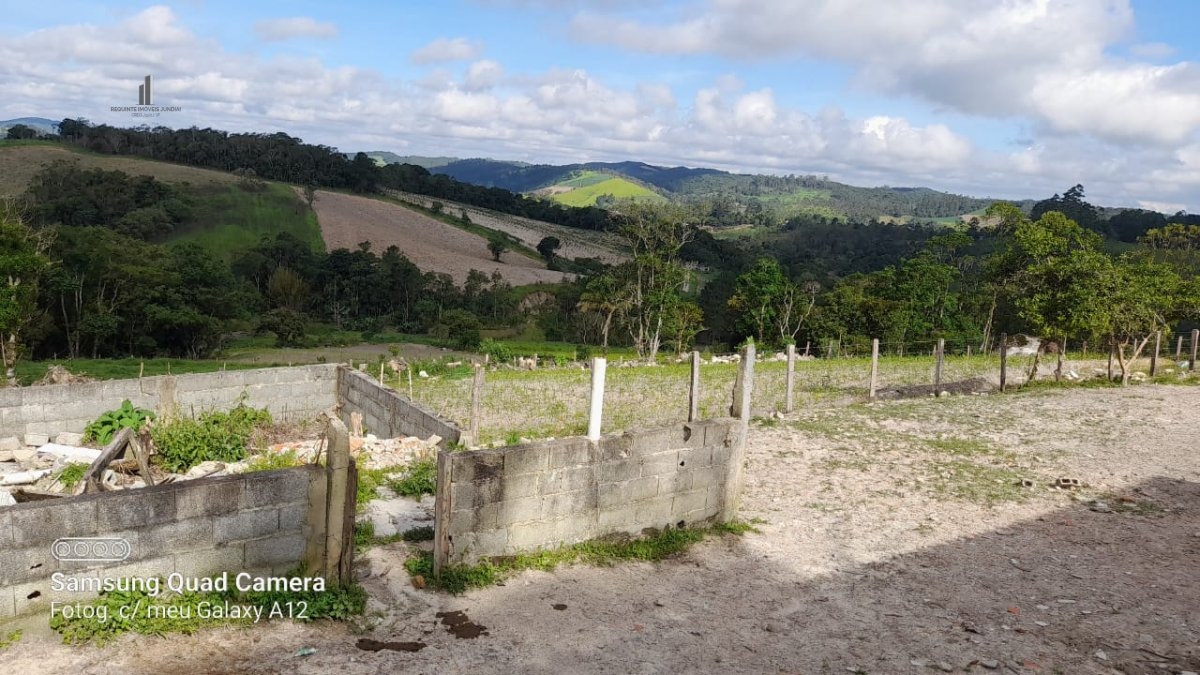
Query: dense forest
[[95, 269]]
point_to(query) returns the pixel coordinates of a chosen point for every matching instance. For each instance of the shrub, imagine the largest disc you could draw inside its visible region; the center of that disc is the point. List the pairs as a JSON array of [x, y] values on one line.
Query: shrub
[[497, 351], [105, 427], [216, 436]]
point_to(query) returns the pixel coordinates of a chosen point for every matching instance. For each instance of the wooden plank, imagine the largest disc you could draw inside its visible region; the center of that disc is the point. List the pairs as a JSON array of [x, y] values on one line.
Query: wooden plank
[[93, 478]]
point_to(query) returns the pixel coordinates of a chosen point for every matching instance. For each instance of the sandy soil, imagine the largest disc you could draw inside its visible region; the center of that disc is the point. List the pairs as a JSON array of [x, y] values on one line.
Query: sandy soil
[[880, 554], [347, 220]]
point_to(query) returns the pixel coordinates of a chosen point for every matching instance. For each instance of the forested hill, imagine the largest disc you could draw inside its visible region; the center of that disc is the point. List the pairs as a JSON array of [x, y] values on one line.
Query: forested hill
[[755, 198]]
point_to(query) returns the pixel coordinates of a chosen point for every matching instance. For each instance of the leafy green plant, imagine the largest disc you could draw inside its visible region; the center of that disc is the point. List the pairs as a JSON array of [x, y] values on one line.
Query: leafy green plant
[[420, 478], [72, 474], [270, 461], [220, 436], [9, 639], [105, 427], [497, 351]]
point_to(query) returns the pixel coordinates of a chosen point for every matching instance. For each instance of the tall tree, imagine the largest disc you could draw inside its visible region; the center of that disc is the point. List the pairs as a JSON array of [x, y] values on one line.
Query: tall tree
[[22, 264], [654, 235]]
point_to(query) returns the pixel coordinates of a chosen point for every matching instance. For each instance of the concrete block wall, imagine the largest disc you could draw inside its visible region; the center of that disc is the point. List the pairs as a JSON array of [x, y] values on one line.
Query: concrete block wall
[[270, 521], [289, 393], [538, 495], [386, 413]]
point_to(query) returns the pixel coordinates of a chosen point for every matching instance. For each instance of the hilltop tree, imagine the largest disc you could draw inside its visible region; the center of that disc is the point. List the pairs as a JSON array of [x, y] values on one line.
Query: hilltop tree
[[497, 246], [548, 248]]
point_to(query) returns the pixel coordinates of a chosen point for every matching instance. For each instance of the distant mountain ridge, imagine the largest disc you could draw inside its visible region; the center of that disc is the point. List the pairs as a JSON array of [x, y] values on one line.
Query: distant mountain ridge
[[41, 124]]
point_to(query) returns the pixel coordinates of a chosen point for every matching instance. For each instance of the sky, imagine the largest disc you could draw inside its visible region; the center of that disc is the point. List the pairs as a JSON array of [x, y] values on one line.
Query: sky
[[999, 98]]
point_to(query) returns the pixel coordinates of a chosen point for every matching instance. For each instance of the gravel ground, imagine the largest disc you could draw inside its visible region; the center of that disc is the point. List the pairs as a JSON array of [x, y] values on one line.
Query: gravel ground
[[896, 541]]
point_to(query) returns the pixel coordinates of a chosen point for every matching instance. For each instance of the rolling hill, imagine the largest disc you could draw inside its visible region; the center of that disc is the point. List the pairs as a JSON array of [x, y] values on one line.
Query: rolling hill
[[588, 188], [41, 124]]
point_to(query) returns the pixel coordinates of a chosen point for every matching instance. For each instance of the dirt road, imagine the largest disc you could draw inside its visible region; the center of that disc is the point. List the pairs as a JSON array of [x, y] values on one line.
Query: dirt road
[[894, 542]]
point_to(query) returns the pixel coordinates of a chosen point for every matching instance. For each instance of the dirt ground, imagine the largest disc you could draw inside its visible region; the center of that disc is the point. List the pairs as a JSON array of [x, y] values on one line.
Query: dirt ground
[[895, 541], [347, 220]]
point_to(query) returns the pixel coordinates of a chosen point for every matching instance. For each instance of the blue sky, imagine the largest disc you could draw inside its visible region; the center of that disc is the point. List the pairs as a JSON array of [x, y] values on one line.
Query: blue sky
[[1020, 98]]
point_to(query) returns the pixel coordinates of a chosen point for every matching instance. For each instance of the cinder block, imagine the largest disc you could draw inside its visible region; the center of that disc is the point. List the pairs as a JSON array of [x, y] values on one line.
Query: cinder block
[[570, 452], [568, 480], [575, 529], [680, 481], [657, 440], [490, 542], [696, 457], [43, 522], [720, 455], [22, 565], [521, 510], [476, 465], [611, 472], [719, 433], [245, 525], [134, 509], [176, 537], [655, 512], [686, 502], [201, 499], [293, 517], [614, 448], [707, 477], [532, 535], [615, 495], [285, 550], [486, 517], [617, 519], [716, 498], [6, 529], [525, 459], [272, 488], [228, 558], [476, 494], [660, 463], [521, 485], [557, 506]]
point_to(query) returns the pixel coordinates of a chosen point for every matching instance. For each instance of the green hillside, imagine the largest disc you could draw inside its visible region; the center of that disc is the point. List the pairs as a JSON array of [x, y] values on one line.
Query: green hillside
[[589, 186], [230, 219]]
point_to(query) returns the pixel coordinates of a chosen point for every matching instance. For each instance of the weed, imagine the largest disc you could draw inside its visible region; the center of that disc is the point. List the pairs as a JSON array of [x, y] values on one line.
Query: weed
[[105, 427], [9, 639], [221, 436], [963, 479], [420, 478], [72, 474], [458, 579], [423, 533], [370, 480], [270, 461]]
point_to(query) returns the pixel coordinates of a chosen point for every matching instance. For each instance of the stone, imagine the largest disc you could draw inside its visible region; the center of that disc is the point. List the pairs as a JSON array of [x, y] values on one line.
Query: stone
[[69, 438], [24, 455], [990, 664], [6, 456], [10, 443], [37, 440], [70, 452]]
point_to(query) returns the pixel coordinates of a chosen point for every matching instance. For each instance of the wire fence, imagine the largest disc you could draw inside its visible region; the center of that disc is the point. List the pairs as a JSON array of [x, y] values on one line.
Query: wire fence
[[553, 401]]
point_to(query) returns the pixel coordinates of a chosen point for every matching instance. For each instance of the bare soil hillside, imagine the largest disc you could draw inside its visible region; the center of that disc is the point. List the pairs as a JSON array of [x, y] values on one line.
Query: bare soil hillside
[[347, 220], [576, 243], [894, 543], [18, 164]]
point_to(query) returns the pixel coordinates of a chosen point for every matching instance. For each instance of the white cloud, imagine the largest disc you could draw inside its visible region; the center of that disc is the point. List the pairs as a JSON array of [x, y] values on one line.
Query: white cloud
[[1152, 50], [565, 115], [442, 50], [275, 30]]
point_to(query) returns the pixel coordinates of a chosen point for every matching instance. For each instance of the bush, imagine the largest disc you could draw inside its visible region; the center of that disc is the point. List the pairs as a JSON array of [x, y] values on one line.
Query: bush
[[461, 327], [216, 436], [105, 427], [497, 351]]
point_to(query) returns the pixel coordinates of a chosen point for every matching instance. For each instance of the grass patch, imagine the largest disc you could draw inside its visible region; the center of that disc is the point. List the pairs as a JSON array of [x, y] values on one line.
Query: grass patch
[[458, 579], [29, 372], [982, 484], [270, 461], [228, 219], [72, 474], [369, 482], [422, 533], [364, 537], [420, 478], [966, 447], [9, 639]]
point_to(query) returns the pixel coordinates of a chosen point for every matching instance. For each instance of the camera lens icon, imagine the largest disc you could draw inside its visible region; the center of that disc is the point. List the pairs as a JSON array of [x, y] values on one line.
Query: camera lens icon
[[90, 549]]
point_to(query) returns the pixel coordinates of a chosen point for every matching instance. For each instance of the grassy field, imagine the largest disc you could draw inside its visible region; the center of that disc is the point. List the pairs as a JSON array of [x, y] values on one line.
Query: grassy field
[[590, 185], [29, 372], [20, 160], [227, 219]]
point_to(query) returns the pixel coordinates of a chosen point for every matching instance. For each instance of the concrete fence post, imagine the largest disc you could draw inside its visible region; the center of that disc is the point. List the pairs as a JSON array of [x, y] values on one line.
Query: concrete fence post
[[1179, 348], [441, 512], [1195, 340], [694, 389], [1154, 356], [737, 455], [342, 489], [789, 401], [476, 406], [940, 353], [1003, 360], [596, 409], [1062, 353], [874, 369]]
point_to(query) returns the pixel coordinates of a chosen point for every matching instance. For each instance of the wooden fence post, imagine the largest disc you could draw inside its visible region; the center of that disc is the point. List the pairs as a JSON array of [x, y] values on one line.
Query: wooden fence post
[[1195, 339], [694, 389], [1154, 357], [737, 456], [441, 512], [790, 379], [596, 409], [476, 406], [1003, 360], [1062, 351], [340, 492], [874, 368], [939, 352]]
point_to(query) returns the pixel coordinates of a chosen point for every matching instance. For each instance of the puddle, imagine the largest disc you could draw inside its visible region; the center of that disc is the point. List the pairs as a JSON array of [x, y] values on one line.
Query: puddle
[[369, 645], [461, 626]]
